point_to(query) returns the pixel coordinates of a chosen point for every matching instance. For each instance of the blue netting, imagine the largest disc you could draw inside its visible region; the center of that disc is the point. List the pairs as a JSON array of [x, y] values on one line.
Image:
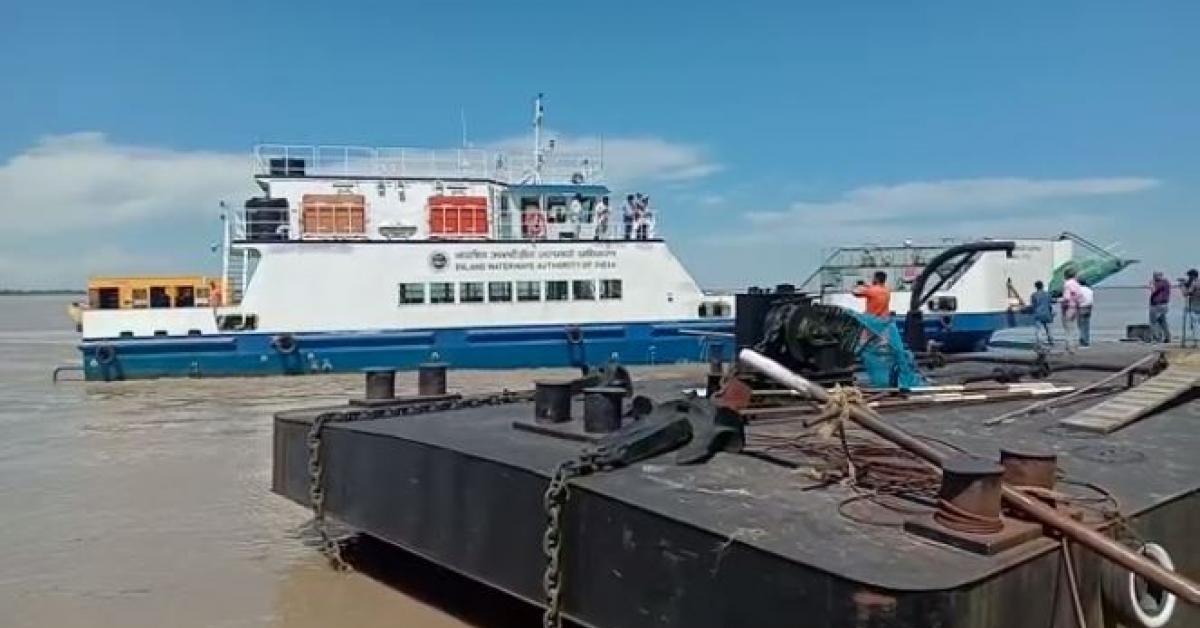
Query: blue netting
[[884, 357]]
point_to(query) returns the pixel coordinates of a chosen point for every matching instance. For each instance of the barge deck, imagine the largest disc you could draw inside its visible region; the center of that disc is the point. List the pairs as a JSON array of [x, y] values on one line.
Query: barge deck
[[755, 540]]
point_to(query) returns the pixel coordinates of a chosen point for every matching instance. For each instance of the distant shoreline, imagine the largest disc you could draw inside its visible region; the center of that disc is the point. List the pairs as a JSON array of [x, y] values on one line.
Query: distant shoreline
[[7, 292]]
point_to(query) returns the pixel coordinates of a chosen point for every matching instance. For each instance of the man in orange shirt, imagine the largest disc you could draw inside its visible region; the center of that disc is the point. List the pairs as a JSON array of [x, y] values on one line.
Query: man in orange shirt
[[878, 296]]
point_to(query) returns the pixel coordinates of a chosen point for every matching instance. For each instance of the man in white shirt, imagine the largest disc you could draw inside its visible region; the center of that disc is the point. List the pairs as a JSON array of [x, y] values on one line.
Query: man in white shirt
[[1086, 298], [601, 230]]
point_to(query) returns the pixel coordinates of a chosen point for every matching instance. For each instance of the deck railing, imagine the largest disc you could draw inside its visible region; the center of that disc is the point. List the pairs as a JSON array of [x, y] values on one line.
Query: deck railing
[[461, 163]]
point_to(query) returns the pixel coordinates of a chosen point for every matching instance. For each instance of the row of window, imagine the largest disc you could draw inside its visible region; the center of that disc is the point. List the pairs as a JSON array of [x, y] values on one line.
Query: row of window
[[508, 291]]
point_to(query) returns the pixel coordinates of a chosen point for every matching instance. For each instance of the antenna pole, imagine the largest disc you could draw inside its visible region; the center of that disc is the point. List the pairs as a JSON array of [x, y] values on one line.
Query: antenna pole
[[462, 112], [537, 138]]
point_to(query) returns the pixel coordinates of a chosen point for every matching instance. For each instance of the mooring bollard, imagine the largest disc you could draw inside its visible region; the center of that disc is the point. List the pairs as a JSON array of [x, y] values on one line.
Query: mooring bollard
[[969, 498], [380, 384], [602, 409], [552, 401], [431, 379]]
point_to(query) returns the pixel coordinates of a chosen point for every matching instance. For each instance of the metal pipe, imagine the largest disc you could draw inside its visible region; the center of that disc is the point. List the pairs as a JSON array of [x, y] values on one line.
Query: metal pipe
[[1175, 583]]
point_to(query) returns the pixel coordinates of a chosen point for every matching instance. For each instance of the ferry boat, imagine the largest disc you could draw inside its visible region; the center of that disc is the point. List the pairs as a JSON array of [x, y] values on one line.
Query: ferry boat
[[358, 257], [365, 257]]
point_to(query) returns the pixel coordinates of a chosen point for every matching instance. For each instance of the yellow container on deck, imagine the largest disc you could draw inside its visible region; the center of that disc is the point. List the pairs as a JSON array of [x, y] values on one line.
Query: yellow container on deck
[[120, 293]]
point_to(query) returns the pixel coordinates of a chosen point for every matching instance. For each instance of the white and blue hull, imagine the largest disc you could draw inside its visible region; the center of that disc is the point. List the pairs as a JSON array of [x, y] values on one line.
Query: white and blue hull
[[526, 346], [247, 353]]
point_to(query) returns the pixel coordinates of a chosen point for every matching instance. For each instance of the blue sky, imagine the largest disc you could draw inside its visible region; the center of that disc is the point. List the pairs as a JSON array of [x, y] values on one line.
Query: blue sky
[[764, 131]]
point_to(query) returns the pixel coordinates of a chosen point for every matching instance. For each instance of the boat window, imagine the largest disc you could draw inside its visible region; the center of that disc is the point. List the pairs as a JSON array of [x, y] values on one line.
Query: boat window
[[470, 292], [610, 288], [556, 208], [108, 299], [159, 297], [408, 293], [185, 296], [140, 298], [203, 296], [194, 332], [583, 289], [500, 291], [441, 293], [160, 332], [556, 291], [529, 291]]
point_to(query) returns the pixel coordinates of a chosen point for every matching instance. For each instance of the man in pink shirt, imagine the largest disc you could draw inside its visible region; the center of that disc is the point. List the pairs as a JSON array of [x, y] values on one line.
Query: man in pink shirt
[[1072, 297]]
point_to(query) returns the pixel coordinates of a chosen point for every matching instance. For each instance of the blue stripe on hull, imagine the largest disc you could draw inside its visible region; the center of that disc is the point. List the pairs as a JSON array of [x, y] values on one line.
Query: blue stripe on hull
[[482, 347]]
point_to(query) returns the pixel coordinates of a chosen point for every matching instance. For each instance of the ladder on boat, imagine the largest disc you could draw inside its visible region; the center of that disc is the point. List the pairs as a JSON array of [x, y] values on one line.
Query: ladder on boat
[[1180, 376]]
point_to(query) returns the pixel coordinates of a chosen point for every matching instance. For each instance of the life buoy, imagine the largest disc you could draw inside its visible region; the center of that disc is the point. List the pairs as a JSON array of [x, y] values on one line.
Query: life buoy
[[1123, 596], [284, 343], [574, 334], [105, 354], [535, 224]]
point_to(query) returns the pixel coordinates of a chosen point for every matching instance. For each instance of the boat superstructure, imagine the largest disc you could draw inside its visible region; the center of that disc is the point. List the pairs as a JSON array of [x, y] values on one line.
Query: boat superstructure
[[359, 257], [975, 294]]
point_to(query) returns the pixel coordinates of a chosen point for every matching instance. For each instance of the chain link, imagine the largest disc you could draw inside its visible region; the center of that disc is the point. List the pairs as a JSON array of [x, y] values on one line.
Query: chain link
[[554, 500], [330, 546]]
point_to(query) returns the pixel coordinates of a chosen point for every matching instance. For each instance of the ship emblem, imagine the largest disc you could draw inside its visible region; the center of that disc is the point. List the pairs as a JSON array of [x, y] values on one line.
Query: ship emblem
[[438, 260]]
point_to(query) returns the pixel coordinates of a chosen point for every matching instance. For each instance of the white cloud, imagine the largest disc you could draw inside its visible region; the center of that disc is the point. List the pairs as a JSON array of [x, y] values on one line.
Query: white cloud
[[974, 198], [82, 180], [629, 160]]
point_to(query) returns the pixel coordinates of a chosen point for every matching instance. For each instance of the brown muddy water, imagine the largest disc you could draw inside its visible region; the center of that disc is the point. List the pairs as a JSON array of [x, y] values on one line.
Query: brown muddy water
[[148, 504]]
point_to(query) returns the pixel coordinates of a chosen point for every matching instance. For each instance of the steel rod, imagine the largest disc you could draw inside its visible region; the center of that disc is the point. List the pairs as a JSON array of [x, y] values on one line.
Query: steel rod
[[1058, 400], [1175, 583]]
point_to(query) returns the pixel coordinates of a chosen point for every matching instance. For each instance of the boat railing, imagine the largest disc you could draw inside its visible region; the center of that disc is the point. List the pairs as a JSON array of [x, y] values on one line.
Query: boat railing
[[544, 228], [288, 160]]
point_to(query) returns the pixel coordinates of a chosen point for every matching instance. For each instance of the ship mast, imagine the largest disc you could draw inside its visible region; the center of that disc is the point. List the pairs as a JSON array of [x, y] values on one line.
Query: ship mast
[[538, 157]]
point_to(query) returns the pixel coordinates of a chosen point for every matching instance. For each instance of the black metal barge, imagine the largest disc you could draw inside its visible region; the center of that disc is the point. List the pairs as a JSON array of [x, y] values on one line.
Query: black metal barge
[[741, 540]]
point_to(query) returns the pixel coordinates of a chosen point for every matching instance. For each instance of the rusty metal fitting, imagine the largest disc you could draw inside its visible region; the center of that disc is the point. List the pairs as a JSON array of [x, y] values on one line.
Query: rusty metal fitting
[[431, 379], [969, 497], [380, 384], [1029, 467]]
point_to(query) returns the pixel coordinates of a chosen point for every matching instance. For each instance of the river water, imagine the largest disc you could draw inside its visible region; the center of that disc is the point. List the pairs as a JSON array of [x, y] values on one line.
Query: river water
[[147, 504]]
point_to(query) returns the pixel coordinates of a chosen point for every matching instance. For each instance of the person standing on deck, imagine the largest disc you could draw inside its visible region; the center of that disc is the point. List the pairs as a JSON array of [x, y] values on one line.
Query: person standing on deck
[[1191, 303], [627, 215], [878, 296], [1086, 299], [1070, 310], [639, 216], [1160, 304], [575, 209], [1043, 312], [647, 220], [601, 219]]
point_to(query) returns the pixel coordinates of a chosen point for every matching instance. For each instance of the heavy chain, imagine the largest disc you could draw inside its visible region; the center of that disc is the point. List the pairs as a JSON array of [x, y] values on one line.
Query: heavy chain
[[774, 323], [554, 500], [330, 546]]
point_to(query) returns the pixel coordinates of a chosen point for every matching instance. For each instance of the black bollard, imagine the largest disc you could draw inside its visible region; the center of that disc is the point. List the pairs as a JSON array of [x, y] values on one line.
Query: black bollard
[[602, 409], [431, 379], [552, 401], [381, 384], [716, 373]]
